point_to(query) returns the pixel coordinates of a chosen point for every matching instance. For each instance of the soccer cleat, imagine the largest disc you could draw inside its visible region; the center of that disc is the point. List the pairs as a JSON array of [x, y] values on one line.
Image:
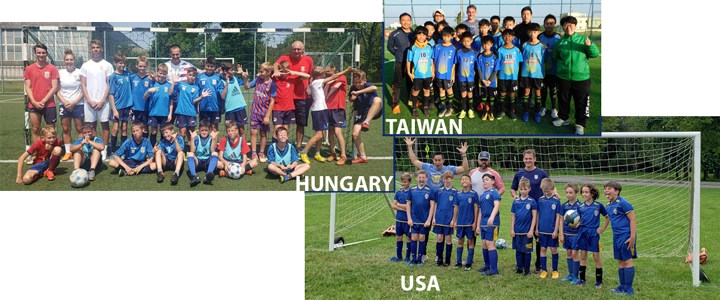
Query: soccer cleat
[[49, 174], [484, 116], [554, 113], [208, 178], [543, 111], [284, 178], [439, 262], [304, 157], [537, 271], [537, 118], [174, 179], [341, 161], [332, 157], [29, 160], [567, 278], [395, 259], [415, 113], [525, 116], [194, 181], [223, 174], [263, 159], [628, 291], [598, 285], [446, 264], [427, 111], [471, 114], [396, 110], [122, 173], [579, 130], [560, 122], [407, 261], [432, 106], [249, 172], [91, 175], [468, 267], [491, 117], [160, 177], [457, 266], [618, 290], [442, 113], [543, 274], [319, 157], [449, 112], [555, 275], [365, 126], [527, 273], [254, 156], [462, 114], [419, 264], [574, 280], [412, 263], [67, 156], [519, 271], [500, 115], [511, 115], [359, 160], [580, 282]]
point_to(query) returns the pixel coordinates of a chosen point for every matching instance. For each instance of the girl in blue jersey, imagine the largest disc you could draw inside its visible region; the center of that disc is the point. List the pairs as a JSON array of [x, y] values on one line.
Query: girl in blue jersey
[[589, 232]]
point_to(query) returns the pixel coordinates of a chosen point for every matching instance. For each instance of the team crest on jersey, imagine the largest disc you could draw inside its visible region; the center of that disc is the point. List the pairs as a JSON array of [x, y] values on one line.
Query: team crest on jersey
[[166, 89], [147, 83], [47, 74], [287, 85], [127, 79], [469, 200], [597, 213], [553, 206], [192, 90], [132, 150], [527, 206], [487, 196], [536, 177], [427, 196], [202, 81], [75, 77], [451, 197], [436, 178], [302, 68], [615, 211], [214, 82], [120, 80], [183, 88]]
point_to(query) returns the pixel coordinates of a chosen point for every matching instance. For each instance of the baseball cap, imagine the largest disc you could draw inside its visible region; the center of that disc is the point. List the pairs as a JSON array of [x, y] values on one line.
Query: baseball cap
[[484, 155], [438, 11]]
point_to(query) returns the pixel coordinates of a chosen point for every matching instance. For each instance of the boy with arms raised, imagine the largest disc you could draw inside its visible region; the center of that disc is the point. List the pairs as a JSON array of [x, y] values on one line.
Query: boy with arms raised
[[465, 61], [188, 95], [489, 223], [283, 158], [524, 220], [466, 221], [443, 223], [622, 217], [262, 110], [401, 219], [549, 220], [87, 146], [444, 54], [233, 97], [367, 105], [169, 153], [548, 38], [141, 82], [568, 234], [135, 155], [121, 100], [47, 151], [508, 66], [589, 232], [202, 154], [420, 69], [486, 65], [420, 211], [159, 104], [531, 75], [210, 105], [232, 148]]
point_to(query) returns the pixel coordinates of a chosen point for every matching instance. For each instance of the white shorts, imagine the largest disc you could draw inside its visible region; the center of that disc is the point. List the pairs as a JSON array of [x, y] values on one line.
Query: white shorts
[[92, 115]]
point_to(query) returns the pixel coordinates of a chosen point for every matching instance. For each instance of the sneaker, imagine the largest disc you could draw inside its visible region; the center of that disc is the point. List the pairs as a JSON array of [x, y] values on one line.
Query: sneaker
[[439, 263], [194, 181], [525, 116], [560, 122], [331, 158], [365, 126], [249, 172], [424, 258], [208, 178], [468, 267], [511, 115], [412, 263], [484, 116], [29, 160], [471, 114], [554, 113], [49, 174], [341, 161], [580, 282], [618, 290], [419, 264], [555, 275], [519, 271], [396, 110], [449, 112], [254, 156], [543, 274], [462, 114], [491, 117], [543, 111], [574, 280], [395, 259], [304, 157], [91, 175], [160, 177], [262, 157], [537, 271], [500, 115], [527, 273], [598, 285], [319, 157], [567, 278], [537, 117], [579, 129], [67, 156], [427, 111], [359, 160], [407, 261], [415, 113], [442, 113], [122, 173], [458, 266], [174, 179], [284, 178], [446, 264]]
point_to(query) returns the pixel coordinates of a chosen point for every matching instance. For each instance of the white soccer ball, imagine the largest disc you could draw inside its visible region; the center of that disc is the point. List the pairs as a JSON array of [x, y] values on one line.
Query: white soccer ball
[[501, 244], [78, 178], [236, 171], [572, 218]]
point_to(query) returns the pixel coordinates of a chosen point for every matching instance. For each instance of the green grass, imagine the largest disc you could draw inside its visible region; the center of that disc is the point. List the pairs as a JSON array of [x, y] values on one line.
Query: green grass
[[362, 271], [12, 145], [506, 125]]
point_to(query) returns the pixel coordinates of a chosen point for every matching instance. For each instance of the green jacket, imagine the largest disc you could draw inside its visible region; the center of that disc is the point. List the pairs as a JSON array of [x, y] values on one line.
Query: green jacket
[[572, 56]]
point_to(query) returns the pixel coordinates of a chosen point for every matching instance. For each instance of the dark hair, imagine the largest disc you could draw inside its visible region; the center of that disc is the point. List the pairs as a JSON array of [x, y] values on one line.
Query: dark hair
[[404, 14], [549, 16], [210, 60], [488, 175], [496, 17], [138, 124], [430, 23], [438, 153], [508, 19], [508, 32], [526, 8], [443, 23], [421, 30], [204, 123], [466, 35], [462, 26], [41, 46], [277, 131], [447, 31], [613, 184], [568, 19], [534, 27], [485, 22], [192, 70], [225, 66], [594, 192], [487, 39]]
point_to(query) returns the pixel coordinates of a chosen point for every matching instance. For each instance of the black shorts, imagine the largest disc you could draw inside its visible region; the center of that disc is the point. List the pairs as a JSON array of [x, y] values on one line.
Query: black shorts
[[507, 85], [422, 83], [156, 122], [550, 81], [488, 92], [361, 111], [48, 113], [336, 118], [284, 117], [466, 87], [320, 119], [78, 112], [444, 84], [123, 115], [183, 121], [139, 116], [302, 109], [212, 116], [531, 83], [239, 116]]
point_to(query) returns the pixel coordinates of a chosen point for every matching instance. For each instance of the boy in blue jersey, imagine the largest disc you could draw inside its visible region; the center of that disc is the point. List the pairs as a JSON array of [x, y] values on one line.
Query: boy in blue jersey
[[531, 75], [495, 31], [135, 155], [121, 100], [233, 97], [444, 54], [141, 82], [430, 26], [465, 60], [486, 64], [188, 95], [524, 219], [549, 222], [589, 232], [210, 105], [420, 68], [420, 212], [169, 153], [283, 160], [87, 146], [568, 233], [508, 66], [466, 221], [548, 38], [202, 153], [445, 216], [484, 31], [160, 106], [459, 30], [402, 228], [489, 224], [233, 148], [622, 217], [508, 23], [366, 107]]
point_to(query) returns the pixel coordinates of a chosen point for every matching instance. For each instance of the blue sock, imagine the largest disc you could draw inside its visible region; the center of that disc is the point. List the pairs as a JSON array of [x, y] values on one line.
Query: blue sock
[[576, 269], [448, 252], [570, 265], [526, 264], [191, 166], [493, 261], [421, 250], [621, 276], [439, 251], [486, 258], [543, 263], [212, 164], [459, 252], [407, 250], [113, 143], [413, 250], [471, 253], [629, 276], [555, 259], [518, 259], [398, 246]]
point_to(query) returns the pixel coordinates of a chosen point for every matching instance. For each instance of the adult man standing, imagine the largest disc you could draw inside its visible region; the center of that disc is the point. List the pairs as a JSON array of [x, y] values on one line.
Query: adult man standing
[[437, 168], [399, 41], [482, 169], [298, 63], [472, 24], [521, 30], [177, 66]]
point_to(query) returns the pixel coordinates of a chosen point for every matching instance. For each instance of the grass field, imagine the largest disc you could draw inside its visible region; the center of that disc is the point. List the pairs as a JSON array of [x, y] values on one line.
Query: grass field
[[363, 272], [506, 125], [12, 145]]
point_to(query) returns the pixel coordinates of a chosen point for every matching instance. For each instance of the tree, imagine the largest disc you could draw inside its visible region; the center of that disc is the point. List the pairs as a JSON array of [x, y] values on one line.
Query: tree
[[192, 44], [240, 46]]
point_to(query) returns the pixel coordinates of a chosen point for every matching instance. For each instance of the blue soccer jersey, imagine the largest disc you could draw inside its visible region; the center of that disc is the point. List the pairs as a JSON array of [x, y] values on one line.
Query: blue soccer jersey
[[565, 207], [445, 205], [508, 63], [549, 42], [523, 210], [422, 60], [535, 176], [590, 214], [486, 68], [159, 103], [533, 60], [487, 204], [617, 212], [466, 202], [140, 85], [548, 211], [435, 175], [465, 61], [136, 151], [121, 89], [501, 42], [402, 196], [87, 148], [186, 93], [420, 198], [216, 85], [444, 61], [169, 148], [203, 147], [497, 37], [234, 99]]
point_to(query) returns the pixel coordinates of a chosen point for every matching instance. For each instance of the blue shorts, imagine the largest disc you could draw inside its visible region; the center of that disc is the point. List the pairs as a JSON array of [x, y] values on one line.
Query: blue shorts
[[570, 242], [588, 239], [402, 228], [546, 241], [239, 116], [420, 229], [320, 120], [444, 230], [156, 122], [212, 116], [78, 112], [284, 117], [202, 164], [620, 249], [183, 121], [134, 164], [337, 118], [140, 116], [302, 107], [40, 167], [361, 111], [169, 164], [48, 113], [465, 232], [488, 233], [522, 243], [123, 115]]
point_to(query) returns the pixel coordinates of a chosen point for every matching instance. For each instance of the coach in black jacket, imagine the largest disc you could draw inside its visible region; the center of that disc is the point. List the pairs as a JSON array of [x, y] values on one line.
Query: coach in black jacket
[[399, 41]]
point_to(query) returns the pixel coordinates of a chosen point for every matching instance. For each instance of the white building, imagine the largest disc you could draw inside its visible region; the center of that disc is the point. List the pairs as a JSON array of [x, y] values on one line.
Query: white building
[[584, 22]]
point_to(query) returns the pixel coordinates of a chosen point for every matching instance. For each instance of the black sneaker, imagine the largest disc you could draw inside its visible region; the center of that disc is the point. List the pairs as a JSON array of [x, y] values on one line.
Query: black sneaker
[[161, 177], [194, 181], [519, 271], [511, 115], [209, 178], [537, 271], [458, 265], [468, 267], [415, 113], [439, 263], [174, 179], [446, 264], [427, 111], [527, 272], [122, 172]]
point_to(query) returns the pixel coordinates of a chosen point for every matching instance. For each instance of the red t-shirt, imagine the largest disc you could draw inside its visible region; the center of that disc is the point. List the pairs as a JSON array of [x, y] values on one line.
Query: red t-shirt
[[223, 142], [284, 98], [303, 64], [41, 80], [41, 153], [336, 100]]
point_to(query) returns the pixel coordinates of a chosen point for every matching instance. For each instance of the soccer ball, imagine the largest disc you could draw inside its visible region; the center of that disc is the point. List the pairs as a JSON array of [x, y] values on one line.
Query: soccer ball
[[79, 178], [501, 244], [236, 171], [572, 218]]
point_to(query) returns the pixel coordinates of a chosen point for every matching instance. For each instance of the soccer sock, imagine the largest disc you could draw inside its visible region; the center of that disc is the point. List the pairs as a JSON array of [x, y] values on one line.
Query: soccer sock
[[493, 261], [629, 276], [543, 263], [486, 258], [153, 139], [146, 135], [459, 252], [439, 251], [449, 101], [413, 250], [555, 259], [621, 276], [538, 105], [443, 99], [54, 161], [191, 166], [212, 164], [570, 265], [526, 264], [448, 252], [526, 106], [576, 268], [67, 148], [423, 249], [464, 103], [123, 138], [537, 254], [598, 275], [398, 249], [471, 254], [582, 272], [113, 143], [414, 100], [518, 259], [426, 100], [407, 250]]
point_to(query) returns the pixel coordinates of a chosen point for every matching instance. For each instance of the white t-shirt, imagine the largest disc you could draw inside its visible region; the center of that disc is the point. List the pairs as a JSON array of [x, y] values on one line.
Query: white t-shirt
[[96, 74], [70, 85], [179, 69], [318, 95]]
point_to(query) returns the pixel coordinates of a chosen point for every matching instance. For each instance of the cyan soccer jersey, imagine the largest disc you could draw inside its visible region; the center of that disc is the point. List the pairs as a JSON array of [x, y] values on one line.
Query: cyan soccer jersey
[[487, 204], [216, 86], [169, 149], [159, 103], [533, 60], [548, 61], [617, 212], [501, 42], [140, 85], [548, 210], [234, 99], [486, 67], [402, 196], [466, 202], [420, 198], [421, 59], [121, 89], [523, 214], [135, 151], [465, 61], [283, 157], [435, 175], [590, 214], [445, 205], [508, 63], [565, 208], [203, 147], [444, 61], [87, 148], [185, 93]]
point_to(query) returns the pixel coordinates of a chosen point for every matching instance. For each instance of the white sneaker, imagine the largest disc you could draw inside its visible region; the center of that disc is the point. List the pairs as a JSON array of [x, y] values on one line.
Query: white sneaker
[[560, 122], [579, 130], [542, 112], [424, 258], [29, 160], [104, 155], [554, 113]]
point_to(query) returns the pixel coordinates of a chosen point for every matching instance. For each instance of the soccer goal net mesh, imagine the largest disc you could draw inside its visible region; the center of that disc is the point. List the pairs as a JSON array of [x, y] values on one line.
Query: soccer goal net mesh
[[359, 217]]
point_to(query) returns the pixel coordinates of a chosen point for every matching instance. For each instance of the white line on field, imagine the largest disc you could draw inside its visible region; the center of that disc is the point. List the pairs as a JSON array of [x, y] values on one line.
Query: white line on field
[[8, 100], [7, 161]]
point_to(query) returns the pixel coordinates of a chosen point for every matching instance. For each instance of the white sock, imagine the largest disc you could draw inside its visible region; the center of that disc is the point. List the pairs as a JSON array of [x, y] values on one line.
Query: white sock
[[67, 148]]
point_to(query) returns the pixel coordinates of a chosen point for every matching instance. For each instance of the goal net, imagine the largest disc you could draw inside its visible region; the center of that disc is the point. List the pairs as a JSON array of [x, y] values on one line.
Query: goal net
[[659, 173], [359, 217]]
